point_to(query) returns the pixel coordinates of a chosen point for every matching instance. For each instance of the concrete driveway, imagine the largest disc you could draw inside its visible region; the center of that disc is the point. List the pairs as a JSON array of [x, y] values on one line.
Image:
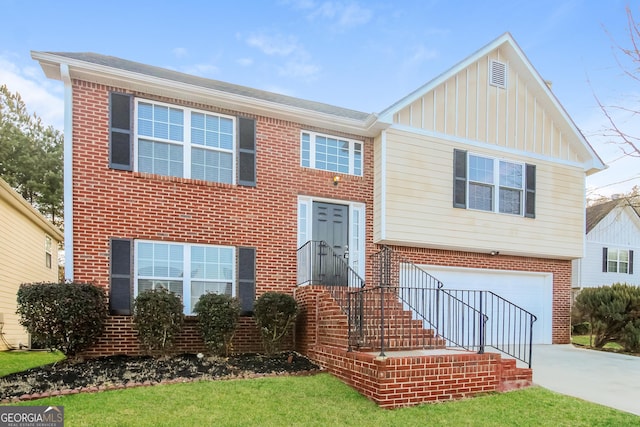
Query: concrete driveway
[[606, 378]]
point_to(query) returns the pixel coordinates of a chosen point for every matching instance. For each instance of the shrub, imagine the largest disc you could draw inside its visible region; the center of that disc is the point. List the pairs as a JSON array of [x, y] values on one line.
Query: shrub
[[274, 314], [614, 314], [582, 328], [158, 319], [217, 321], [69, 317]]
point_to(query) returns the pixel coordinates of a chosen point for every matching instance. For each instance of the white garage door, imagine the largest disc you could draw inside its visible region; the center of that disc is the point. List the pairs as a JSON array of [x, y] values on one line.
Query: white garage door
[[531, 291]]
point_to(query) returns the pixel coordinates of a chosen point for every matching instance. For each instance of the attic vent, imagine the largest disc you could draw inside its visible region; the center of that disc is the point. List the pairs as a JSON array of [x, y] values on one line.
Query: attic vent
[[498, 73]]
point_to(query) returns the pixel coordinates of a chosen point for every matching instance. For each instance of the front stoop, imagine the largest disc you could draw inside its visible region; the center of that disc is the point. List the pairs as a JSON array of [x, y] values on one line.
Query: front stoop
[[402, 378]]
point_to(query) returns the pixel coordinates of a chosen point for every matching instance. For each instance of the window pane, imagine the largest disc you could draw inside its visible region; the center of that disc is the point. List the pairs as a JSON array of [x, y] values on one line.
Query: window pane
[[480, 169], [511, 175], [480, 197], [306, 150], [612, 266], [510, 201]]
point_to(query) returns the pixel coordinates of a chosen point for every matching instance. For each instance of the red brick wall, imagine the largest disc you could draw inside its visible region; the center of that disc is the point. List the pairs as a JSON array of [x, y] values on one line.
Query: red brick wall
[[122, 204], [561, 269]]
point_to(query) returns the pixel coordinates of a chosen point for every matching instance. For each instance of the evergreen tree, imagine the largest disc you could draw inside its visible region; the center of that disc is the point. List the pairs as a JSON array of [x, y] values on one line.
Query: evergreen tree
[[31, 156]]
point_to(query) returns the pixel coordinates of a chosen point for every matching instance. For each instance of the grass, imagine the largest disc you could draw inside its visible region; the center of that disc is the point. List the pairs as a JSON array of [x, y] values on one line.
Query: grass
[[17, 361], [317, 400], [584, 340]]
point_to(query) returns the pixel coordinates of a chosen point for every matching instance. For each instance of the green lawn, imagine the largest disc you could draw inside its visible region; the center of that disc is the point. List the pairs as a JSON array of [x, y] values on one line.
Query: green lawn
[[318, 400], [584, 340], [16, 361]]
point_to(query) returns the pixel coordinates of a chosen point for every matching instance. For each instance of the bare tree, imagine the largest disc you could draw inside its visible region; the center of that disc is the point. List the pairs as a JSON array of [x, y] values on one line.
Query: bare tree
[[629, 144]]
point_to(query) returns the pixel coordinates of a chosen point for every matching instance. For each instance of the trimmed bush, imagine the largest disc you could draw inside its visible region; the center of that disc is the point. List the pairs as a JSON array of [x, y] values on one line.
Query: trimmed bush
[[275, 314], [69, 317], [217, 321], [614, 314], [158, 319]]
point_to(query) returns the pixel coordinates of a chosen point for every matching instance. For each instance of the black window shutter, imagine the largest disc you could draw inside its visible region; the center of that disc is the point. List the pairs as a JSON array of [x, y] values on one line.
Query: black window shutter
[[246, 151], [530, 192], [120, 274], [459, 179], [630, 262], [120, 131], [605, 254], [246, 279]]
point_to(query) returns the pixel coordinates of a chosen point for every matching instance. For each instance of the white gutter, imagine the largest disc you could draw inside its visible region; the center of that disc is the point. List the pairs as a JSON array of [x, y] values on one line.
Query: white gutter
[[68, 173]]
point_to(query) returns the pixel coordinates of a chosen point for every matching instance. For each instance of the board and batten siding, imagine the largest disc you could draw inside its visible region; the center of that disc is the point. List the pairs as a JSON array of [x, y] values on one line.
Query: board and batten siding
[[22, 257], [418, 203], [620, 229], [519, 116]]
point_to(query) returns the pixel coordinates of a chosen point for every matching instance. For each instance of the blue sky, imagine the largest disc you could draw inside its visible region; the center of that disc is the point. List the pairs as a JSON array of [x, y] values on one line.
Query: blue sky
[[363, 55]]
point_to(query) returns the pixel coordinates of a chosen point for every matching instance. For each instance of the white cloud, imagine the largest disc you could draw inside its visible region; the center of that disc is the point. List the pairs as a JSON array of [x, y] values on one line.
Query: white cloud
[[276, 44], [42, 96], [244, 62], [202, 70], [180, 52], [341, 14], [421, 54], [299, 69]]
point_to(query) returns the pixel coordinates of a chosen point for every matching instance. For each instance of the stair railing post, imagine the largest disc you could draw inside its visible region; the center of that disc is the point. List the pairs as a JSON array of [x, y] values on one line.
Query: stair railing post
[[382, 321], [482, 325]]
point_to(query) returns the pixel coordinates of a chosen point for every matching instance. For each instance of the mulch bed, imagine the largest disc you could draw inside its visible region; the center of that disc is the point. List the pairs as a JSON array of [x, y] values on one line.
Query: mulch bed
[[117, 372]]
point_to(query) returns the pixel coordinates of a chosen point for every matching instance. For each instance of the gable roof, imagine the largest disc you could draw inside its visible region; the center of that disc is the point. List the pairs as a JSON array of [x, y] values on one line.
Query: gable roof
[[118, 72], [18, 202], [596, 213], [517, 58]]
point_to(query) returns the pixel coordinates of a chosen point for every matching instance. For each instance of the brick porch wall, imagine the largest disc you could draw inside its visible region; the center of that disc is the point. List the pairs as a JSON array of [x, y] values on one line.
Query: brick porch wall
[[561, 269]]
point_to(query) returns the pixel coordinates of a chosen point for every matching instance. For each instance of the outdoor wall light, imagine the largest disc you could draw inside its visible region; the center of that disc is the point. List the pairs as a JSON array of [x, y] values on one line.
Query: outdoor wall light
[[494, 253], [336, 180]]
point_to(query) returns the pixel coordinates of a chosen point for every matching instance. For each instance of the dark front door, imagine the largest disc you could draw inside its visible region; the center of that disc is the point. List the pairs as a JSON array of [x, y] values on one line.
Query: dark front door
[[331, 225]]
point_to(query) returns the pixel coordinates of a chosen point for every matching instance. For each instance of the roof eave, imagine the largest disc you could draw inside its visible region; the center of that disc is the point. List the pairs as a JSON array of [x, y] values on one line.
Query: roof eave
[[97, 73]]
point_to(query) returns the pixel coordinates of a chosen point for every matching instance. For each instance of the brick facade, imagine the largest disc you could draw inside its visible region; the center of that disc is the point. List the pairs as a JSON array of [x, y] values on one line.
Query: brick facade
[[111, 203]]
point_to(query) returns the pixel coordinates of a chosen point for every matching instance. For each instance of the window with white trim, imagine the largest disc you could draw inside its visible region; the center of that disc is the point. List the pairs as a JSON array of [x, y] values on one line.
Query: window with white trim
[[48, 252], [188, 270], [184, 142], [489, 177], [618, 261], [330, 153]]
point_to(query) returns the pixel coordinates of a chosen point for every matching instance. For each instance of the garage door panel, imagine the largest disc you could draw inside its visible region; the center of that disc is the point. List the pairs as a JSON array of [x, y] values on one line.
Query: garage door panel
[[530, 291]]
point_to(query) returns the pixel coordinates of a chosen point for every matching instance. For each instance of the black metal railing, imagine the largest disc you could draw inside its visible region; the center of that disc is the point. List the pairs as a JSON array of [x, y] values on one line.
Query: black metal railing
[[471, 320], [318, 264]]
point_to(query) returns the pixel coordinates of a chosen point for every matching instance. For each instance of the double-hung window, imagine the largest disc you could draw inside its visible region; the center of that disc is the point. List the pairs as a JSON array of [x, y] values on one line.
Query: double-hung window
[[617, 261], [184, 142], [331, 153], [188, 270], [493, 185], [48, 252]]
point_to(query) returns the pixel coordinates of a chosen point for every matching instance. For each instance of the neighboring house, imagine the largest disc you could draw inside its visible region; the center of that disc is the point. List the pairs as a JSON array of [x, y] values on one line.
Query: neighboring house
[[204, 186], [28, 253], [612, 245]]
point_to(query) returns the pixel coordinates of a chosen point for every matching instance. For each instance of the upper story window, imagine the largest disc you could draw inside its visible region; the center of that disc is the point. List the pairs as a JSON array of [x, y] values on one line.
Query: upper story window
[[494, 185], [183, 142], [617, 261], [187, 270], [170, 140], [48, 252], [331, 153]]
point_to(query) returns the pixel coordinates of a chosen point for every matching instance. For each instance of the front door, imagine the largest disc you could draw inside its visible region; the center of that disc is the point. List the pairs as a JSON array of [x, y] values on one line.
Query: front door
[[331, 225]]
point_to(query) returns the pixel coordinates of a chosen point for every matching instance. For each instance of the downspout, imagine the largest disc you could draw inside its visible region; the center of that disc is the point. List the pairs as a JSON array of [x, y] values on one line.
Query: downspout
[[68, 173], [383, 185]]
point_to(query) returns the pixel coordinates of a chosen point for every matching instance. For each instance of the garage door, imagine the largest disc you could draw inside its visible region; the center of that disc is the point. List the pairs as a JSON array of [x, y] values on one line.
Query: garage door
[[531, 291]]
